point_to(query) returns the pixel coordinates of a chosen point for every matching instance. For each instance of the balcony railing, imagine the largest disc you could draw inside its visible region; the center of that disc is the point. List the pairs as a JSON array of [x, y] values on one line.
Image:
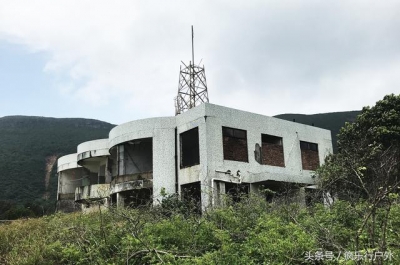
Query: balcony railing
[[92, 192], [132, 177], [131, 185]]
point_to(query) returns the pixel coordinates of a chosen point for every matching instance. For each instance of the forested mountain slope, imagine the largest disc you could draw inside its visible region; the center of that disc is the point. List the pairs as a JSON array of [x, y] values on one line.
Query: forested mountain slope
[[29, 148]]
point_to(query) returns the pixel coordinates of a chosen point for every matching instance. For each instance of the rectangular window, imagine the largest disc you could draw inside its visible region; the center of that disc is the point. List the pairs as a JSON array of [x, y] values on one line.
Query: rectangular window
[[190, 152], [235, 144], [272, 150], [309, 155]]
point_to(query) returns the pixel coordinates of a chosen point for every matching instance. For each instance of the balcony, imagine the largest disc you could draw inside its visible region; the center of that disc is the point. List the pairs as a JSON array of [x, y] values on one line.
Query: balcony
[[132, 177], [92, 192], [132, 182]]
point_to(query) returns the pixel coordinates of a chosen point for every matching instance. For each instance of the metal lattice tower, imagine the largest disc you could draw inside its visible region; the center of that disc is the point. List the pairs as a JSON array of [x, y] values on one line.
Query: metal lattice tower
[[192, 90]]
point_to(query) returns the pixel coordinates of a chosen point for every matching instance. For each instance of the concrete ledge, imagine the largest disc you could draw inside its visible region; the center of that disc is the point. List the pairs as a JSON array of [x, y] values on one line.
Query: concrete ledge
[[67, 162], [131, 185], [95, 148], [139, 129]]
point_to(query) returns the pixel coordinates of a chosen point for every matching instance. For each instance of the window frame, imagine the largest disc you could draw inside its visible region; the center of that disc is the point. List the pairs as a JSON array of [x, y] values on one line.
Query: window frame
[[234, 135]]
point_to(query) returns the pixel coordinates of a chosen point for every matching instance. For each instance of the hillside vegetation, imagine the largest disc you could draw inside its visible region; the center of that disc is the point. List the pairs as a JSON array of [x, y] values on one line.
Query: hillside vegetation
[[30, 147]]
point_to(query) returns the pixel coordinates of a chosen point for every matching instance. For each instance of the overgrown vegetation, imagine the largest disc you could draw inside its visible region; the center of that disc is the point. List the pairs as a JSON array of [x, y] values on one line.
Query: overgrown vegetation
[[366, 173], [249, 232]]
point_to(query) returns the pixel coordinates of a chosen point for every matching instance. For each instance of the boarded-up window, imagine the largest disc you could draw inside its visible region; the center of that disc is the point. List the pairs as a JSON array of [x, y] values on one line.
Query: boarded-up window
[[235, 144], [190, 153], [309, 155], [272, 150]]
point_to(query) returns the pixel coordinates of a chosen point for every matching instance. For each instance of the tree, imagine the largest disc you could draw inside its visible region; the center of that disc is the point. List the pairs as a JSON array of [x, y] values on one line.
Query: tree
[[366, 169]]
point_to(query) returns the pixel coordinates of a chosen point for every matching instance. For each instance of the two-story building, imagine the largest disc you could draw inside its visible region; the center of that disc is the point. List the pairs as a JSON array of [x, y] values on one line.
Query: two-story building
[[202, 154]]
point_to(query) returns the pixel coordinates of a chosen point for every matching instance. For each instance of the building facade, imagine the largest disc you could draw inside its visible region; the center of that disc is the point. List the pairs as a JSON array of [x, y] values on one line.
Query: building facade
[[202, 154]]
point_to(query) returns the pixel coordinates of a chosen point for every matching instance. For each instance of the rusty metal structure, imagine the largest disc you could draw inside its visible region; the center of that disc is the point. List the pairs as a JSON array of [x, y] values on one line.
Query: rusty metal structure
[[192, 88]]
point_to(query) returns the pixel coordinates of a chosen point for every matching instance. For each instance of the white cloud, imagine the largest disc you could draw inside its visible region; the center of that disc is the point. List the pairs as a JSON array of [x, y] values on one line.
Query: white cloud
[[269, 57]]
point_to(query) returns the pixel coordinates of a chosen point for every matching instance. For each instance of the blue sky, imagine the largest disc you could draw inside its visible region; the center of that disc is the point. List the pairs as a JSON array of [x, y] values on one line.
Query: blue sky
[[120, 61]]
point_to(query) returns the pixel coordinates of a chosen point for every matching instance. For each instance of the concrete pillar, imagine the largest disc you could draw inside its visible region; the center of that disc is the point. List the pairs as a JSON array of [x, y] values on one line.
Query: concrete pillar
[[120, 200]]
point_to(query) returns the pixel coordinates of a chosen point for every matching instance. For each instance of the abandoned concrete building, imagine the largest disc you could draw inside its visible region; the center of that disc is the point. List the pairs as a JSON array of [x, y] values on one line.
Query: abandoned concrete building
[[203, 153]]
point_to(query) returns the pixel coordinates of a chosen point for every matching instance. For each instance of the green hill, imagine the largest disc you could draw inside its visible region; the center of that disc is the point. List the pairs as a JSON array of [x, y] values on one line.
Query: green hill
[[330, 121], [29, 148]]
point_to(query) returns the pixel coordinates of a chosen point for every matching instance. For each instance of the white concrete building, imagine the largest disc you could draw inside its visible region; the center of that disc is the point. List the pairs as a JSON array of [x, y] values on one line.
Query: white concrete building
[[202, 154]]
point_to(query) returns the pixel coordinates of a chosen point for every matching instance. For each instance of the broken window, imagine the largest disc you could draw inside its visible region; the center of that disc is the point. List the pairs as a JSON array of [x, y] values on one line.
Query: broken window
[[137, 198], [235, 144], [309, 155], [272, 150], [190, 152]]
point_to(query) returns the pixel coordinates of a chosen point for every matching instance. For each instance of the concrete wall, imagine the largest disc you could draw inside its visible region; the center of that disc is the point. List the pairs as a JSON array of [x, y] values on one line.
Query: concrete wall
[[69, 178], [69, 174]]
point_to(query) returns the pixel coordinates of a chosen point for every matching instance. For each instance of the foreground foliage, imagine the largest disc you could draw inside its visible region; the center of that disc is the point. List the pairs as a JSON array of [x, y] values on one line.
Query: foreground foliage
[[249, 232], [366, 171]]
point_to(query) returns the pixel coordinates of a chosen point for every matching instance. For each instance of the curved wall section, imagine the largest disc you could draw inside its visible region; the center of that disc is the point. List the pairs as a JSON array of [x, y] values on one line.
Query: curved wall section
[[152, 138], [139, 129], [67, 162], [93, 148]]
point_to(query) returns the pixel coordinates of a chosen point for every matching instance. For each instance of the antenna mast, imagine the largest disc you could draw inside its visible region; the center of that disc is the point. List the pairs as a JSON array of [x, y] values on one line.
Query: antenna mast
[[192, 88]]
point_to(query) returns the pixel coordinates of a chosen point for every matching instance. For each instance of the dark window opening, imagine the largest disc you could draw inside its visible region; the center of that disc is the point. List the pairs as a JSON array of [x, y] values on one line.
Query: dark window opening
[[137, 156], [191, 196], [113, 201], [137, 198], [235, 144], [237, 191], [276, 191], [313, 196], [272, 150], [308, 146], [270, 139], [309, 155], [190, 152]]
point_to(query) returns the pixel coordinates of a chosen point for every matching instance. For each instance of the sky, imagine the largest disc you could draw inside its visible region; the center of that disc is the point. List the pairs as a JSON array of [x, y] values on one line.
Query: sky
[[119, 61]]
